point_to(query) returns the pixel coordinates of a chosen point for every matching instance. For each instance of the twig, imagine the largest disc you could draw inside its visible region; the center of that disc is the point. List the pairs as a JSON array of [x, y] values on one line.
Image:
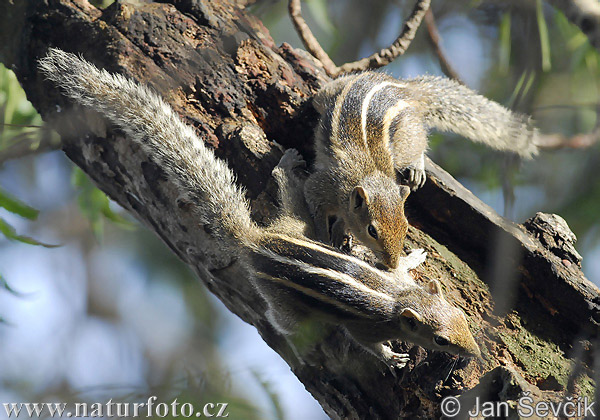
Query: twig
[[309, 40], [380, 59], [436, 41], [559, 141], [578, 141], [29, 146]]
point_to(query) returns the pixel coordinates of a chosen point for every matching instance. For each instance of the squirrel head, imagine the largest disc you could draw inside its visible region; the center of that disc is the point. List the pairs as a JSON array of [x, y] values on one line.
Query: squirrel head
[[377, 217], [433, 323]]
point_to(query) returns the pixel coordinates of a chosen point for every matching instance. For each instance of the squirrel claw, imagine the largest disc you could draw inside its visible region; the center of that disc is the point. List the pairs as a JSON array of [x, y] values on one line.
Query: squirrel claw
[[346, 244], [393, 359], [291, 160], [416, 178]]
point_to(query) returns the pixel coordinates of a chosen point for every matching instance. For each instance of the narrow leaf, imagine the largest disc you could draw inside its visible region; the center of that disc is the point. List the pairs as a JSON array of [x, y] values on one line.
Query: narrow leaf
[[505, 44], [544, 37], [11, 233], [15, 206], [4, 285]]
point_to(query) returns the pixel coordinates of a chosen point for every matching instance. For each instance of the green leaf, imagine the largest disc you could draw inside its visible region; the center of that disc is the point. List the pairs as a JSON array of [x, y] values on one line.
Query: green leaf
[[515, 93], [4, 285], [528, 84], [505, 45], [544, 37], [95, 205], [11, 233], [15, 206]]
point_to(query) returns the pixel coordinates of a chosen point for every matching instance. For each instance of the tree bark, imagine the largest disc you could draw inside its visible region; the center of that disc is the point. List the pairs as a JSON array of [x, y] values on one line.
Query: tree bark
[[534, 314]]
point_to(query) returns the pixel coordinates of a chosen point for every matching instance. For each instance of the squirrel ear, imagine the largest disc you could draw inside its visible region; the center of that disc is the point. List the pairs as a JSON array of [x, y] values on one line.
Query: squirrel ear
[[359, 196], [411, 313], [435, 288]]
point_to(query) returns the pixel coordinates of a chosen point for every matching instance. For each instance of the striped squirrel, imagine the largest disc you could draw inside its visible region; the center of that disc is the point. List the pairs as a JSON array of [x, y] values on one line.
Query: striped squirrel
[[295, 275], [373, 127]]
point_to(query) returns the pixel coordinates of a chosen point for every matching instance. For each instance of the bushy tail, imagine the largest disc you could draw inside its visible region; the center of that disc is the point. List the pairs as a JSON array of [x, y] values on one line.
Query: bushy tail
[[453, 107], [205, 181]]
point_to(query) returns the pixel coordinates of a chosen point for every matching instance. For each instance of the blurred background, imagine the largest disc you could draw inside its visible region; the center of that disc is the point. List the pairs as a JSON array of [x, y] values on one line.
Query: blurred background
[[110, 313]]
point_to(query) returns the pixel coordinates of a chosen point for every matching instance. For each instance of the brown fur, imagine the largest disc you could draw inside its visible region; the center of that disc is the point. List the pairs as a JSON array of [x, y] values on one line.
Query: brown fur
[[373, 126]]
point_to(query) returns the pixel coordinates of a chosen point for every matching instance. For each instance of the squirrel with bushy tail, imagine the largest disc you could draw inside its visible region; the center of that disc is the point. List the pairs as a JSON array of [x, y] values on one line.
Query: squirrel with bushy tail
[[295, 275], [372, 129]]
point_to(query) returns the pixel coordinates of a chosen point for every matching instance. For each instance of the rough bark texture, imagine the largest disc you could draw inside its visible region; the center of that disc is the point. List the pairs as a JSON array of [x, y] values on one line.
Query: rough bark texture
[[531, 309]]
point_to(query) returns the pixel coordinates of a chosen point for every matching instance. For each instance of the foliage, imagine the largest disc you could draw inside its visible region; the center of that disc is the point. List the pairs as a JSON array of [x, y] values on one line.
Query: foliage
[[95, 205], [533, 61]]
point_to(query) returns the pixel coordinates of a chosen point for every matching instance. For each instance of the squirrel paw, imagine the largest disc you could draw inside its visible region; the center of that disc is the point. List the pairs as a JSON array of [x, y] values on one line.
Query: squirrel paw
[[416, 178], [393, 359], [291, 160], [415, 258], [339, 238], [346, 244]]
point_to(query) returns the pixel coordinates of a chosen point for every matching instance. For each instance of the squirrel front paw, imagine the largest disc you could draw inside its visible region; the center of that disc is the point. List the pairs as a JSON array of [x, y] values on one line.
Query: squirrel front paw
[[393, 359], [416, 178], [415, 258], [291, 159], [339, 238]]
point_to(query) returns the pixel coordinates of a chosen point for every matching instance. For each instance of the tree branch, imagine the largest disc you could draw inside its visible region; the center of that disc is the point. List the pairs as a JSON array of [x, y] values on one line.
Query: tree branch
[[374, 61], [217, 66], [436, 41]]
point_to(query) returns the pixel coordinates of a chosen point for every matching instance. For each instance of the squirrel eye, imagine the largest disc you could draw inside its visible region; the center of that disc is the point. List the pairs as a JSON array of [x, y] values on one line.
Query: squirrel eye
[[441, 341], [372, 231], [411, 323]]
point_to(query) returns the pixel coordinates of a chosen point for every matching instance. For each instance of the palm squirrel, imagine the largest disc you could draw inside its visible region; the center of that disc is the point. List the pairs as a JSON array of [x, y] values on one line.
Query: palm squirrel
[[372, 128], [295, 275]]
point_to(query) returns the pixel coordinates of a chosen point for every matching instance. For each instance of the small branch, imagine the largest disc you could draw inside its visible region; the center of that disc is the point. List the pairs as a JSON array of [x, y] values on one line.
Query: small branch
[[29, 146], [380, 59], [559, 141], [578, 141], [436, 41], [309, 40]]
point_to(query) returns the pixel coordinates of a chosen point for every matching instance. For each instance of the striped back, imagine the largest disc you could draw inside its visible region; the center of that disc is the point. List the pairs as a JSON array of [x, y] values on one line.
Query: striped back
[[364, 114], [322, 278]]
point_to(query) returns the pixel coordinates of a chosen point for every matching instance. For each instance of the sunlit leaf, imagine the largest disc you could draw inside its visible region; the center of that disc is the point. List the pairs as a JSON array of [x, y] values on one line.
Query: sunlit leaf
[[528, 84], [15, 206], [517, 89], [15, 109], [10, 233]]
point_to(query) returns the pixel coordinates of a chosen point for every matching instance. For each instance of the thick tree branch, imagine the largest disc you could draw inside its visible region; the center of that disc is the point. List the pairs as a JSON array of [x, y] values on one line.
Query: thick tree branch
[[221, 71]]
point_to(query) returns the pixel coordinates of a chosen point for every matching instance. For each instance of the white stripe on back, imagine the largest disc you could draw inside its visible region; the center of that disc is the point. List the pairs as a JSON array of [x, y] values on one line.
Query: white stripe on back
[[367, 101]]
